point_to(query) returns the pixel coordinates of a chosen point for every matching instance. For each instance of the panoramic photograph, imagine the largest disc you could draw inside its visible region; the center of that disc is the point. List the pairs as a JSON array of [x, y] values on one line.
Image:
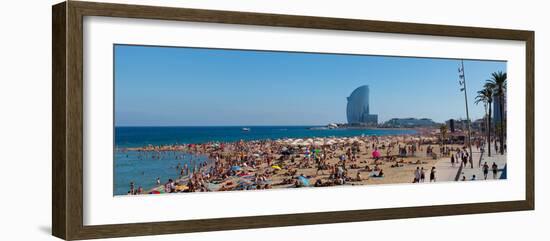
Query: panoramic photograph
[[208, 120]]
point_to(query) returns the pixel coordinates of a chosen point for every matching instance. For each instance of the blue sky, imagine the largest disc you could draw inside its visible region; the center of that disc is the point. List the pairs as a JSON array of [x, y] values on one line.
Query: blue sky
[[165, 86]]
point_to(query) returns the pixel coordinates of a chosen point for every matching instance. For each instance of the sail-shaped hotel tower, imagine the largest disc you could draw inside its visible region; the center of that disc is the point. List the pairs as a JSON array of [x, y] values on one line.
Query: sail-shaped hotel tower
[[358, 110]]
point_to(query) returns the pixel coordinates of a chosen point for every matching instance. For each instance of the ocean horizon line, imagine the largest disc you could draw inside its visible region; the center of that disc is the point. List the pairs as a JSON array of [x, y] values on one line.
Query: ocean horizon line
[[124, 126]]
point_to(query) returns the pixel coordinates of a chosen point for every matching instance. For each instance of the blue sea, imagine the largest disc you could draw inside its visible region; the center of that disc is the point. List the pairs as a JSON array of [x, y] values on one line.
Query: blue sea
[[143, 169], [141, 136]]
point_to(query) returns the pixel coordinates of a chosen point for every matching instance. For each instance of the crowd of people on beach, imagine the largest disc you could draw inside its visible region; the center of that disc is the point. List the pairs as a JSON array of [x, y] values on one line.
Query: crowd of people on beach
[[266, 164]]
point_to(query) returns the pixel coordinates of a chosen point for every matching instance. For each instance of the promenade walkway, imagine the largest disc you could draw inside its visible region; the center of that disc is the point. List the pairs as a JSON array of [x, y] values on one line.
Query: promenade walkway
[[446, 172], [495, 157]]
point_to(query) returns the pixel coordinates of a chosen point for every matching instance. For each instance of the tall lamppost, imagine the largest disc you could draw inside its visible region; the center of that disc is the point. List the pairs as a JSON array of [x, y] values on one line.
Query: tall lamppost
[[462, 82]]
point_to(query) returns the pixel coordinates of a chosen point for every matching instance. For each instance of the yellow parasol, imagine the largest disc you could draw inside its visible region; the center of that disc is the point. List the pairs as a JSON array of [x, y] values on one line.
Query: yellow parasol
[[180, 188]]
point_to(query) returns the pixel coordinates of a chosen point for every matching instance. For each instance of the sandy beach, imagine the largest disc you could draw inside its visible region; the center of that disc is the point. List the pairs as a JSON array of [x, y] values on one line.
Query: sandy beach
[[309, 162]]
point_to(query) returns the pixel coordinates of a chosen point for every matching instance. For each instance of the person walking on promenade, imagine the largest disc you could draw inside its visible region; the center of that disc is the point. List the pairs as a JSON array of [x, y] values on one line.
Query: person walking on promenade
[[485, 170], [495, 170], [417, 175]]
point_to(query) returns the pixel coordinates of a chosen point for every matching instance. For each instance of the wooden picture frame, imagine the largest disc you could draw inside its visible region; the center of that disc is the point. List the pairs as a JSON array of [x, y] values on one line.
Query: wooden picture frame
[[67, 124]]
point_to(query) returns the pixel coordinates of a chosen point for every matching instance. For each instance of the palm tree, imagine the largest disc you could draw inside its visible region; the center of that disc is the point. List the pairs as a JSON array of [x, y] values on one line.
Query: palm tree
[[498, 81], [485, 96]]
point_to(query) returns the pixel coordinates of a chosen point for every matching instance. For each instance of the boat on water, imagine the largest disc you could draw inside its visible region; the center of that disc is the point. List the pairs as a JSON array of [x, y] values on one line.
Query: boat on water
[[246, 129]]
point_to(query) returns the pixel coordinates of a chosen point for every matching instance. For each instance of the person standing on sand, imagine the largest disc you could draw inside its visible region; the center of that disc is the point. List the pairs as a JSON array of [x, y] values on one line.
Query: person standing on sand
[[432, 175], [167, 187], [422, 174], [132, 188], [320, 167], [485, 170], [417, 175], [495, 170]]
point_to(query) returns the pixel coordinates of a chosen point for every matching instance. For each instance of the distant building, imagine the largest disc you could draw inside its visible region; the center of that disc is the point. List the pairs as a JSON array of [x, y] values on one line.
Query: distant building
[[358, 109], [479, 125], [454, 124], [410, 122], [451, 124], [461, 125]]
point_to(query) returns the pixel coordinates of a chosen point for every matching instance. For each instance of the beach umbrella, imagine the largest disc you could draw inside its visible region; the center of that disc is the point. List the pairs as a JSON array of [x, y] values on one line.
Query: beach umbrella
[[318, 143], [376, 153], [304, 181], [213, 187], [244, 184], [236, 168], [180, 188], [276, 167], [154, 192], [243, 174]]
